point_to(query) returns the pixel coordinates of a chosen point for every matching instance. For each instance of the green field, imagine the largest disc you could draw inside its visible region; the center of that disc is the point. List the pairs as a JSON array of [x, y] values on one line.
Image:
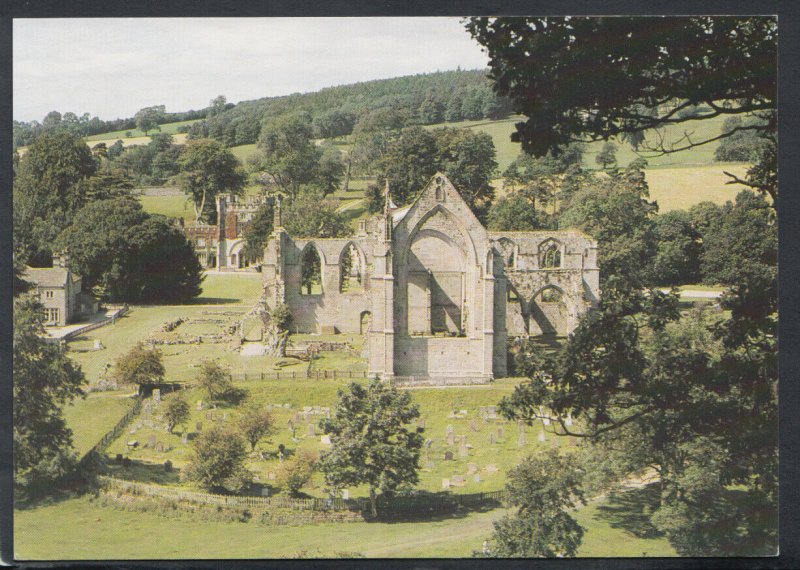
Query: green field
[[172, 206], [91, 417], [166, 128], [243, 152], [680, 188], [76, 529]]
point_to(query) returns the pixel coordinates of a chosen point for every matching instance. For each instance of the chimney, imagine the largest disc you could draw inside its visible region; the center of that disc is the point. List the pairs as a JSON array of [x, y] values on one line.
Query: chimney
[[61, 259]]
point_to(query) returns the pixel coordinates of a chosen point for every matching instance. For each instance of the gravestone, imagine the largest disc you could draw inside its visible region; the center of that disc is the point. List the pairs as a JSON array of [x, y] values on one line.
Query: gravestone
[[546, 421], [457, 481], [185, 438], [450, 429], [224, 416], [156, 394], [491, 468], [287, 406], [462, 450], [477, 478], [98, 345], [451, 438], [199, 405], [428, 443], [118, 459], [151, 441], [133, 443], [160, 447], [492, 439], [307, 408], [542, 437], [265, 491], [473, 426], [208, 416], [345, 494], [311, 430], [472, 469], [430, 465], [269, 407], [168, 466], [199, 426], [462, 412], [568, 421], [448, 455], [445, 483], [325, 440], [132, 431], [421, 423], [521, 441], [501, 432], [271, 475]]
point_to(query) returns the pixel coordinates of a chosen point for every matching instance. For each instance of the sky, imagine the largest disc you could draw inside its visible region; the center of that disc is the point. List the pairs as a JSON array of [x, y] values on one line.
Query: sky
[[112, 67]]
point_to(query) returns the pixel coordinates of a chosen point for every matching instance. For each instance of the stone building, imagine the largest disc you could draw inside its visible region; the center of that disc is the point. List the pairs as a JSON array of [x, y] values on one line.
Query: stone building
[[219, 246], [434, 292], [59, 290]]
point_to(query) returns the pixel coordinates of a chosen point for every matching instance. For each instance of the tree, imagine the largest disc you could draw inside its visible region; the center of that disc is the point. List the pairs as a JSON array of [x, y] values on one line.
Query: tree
[[370, 443], [373, 133], [334, 124], [49, 187], [216, 106], [287, 151], [218, 461], [148, 118], [679, 246], [295, 473], [329, 171], [45, 380], [514, 213], [742, 145], [607, 155], [209, 169], [254, 424], [176, 412], [130, 255], [468, 159], [614, 210], [409, 163], [140, 365], [544, 180], [742, 246], [717, 66], [214, 380], [309, 215], [542, 489]]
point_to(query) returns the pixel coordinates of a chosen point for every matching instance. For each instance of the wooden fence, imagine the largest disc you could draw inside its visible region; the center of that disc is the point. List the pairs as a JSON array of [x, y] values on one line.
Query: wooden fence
[[398, 504], [106, 440], [304, 374]]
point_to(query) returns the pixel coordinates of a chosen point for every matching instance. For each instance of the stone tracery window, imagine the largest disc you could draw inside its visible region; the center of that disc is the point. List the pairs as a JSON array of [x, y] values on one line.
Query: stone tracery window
[[311, 272], [550, 255]]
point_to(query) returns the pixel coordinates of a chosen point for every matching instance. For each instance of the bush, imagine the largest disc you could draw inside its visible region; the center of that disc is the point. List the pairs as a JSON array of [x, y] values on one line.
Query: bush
[[218, 461], [295, 473]]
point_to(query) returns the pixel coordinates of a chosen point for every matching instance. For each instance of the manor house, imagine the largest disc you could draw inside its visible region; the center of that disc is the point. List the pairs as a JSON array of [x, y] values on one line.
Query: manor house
[[434, 292]]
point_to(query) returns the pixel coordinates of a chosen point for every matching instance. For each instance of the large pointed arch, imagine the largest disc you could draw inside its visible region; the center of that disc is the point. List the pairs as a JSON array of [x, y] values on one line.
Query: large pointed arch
[[352, 268], [312, 264]]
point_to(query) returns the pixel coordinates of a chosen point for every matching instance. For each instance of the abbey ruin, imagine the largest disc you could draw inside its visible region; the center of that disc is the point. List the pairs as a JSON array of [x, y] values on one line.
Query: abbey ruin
[[435, 293]]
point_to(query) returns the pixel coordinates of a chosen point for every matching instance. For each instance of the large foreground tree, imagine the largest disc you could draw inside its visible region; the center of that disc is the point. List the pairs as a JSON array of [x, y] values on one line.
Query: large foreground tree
[[588, 79], [45, 380], [371, 443]]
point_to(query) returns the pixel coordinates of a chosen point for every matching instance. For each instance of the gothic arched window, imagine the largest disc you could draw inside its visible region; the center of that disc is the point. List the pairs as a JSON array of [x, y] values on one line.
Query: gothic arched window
[[550, 255], [351, 271], [311, 272]]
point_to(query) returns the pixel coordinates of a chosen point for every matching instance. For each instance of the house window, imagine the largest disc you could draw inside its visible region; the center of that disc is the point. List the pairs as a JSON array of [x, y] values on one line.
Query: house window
[[51, 315], [48, 294]]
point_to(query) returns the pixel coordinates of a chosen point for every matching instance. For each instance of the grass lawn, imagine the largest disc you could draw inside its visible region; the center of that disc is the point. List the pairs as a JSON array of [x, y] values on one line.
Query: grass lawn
[[243, 151], [681, 188], [91, 418], [77, 529], [172, 206], [166, 128]]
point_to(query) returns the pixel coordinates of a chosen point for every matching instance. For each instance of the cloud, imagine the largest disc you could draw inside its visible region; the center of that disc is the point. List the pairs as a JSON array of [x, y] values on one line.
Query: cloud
[[113, 67]]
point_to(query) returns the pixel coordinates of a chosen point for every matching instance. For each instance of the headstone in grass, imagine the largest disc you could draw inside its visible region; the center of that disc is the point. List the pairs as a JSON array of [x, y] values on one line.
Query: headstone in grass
[[312, 431], [463, 412], [462, 450], [473, 425], [457, 481], [168, 466], [430, 465], [421, 423], [491, 468], [265, 491], [287, 406], [151, 441], [472, 469], [199, 426], [501, 432], [450, 429], [451, 438], [477, 478], [448, 455], [546, 421], [521, 441], [492, 439], [132, 431], [156, 394], [199, 405], [428, 443], [224, 416], [271, 475], [325, 440], [184, 438], [118, 459], [208, 416], [542, 437], [159, 447], [445, 483], [568, 420]]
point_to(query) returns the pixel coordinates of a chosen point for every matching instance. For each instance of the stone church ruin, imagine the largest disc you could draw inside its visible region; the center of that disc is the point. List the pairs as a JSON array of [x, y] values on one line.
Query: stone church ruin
[[435, 293]]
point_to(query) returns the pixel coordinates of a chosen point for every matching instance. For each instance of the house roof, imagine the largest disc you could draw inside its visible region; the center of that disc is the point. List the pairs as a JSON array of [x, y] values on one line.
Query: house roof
[[47, 276]]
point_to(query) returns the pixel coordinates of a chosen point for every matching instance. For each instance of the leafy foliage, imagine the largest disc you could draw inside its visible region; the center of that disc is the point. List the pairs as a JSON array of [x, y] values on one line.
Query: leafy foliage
[[542, 489], [176, 412], [140, 366], [514, 213], [607, 155], [209, 169], [45, 380], [296, 472], [310, 215], [147, 118], [254, 424], [258, 231], [214, 380], [677, 259], [130, 255], [218, 461], [370, 443]]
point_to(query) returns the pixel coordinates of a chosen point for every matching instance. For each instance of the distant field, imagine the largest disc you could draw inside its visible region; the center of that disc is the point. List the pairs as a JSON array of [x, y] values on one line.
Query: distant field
[[243, 152], [90, 418], [680, 188], [172, 206], [167, 128]]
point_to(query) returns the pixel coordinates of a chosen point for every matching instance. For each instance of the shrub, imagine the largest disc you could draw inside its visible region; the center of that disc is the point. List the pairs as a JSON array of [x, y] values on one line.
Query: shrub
[[295, 473]]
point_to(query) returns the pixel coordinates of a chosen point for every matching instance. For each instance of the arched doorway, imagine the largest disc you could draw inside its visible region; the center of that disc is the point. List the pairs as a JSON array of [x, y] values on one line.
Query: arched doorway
[[366, 321]]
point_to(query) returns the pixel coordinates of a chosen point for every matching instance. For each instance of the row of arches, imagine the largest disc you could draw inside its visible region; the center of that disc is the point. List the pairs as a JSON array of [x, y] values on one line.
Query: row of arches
[[351, 270], [545, 313]]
